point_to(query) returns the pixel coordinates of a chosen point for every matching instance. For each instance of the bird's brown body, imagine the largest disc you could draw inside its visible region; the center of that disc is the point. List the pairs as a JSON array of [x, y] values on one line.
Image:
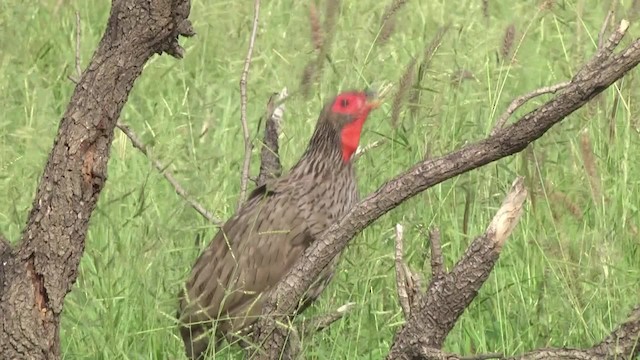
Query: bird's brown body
[[258, 245]]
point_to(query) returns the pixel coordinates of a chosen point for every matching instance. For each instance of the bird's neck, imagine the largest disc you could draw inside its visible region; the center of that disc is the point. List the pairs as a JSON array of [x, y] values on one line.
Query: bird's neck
[[324, 153]]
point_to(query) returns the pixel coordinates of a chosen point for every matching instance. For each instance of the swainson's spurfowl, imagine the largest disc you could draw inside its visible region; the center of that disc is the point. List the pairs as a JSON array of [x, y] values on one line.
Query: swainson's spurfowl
[[258, 245]]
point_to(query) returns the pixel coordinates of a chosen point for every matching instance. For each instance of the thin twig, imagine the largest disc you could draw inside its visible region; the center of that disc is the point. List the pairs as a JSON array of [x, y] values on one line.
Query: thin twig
[[244, 179], [603, 29], [78, 34], [401, 276], [138, 144], [521, 100], [324, 321], [437, 260]]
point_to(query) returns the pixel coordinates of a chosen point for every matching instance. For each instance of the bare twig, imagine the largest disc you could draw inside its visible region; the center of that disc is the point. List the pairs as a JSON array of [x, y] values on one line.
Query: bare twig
[[603, 29], [270, 166], [521, 100], [437, 260], [78, 34], [401, 277], [244, 179], [324, 321], [138, 144]]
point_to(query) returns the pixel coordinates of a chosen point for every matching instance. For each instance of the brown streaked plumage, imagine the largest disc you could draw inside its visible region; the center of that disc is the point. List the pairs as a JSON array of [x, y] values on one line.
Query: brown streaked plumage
[[259, 244]]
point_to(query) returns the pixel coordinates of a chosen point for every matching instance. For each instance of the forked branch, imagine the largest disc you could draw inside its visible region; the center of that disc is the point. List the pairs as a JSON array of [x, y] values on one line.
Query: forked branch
[[594, 77]]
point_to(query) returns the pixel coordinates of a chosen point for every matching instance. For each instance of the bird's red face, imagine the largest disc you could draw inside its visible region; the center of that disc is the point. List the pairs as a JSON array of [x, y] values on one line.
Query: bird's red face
[[353, 107]]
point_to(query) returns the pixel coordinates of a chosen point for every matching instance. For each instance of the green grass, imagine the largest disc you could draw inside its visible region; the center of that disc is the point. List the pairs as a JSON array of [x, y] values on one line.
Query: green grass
[[567, 275]]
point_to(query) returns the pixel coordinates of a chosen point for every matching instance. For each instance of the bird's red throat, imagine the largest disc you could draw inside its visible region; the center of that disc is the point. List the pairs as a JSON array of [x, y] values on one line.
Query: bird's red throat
[[350, 136]]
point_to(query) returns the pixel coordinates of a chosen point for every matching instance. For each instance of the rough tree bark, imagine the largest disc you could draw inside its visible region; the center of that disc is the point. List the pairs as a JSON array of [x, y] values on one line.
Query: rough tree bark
[[595, 76], [43, 267]]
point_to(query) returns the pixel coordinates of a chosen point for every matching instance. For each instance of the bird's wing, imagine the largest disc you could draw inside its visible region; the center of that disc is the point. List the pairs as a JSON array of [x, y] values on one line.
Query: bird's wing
[[249, 255]]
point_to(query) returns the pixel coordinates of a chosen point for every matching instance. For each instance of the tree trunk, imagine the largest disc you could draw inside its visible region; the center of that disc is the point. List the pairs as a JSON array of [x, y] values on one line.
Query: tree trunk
[[41, 270]]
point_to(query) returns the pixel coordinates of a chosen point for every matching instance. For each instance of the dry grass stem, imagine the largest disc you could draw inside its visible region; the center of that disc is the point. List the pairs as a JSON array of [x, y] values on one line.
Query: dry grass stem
[[507, 42], [590, 166], [429, 52], [403, 87], [389, 21], [316, 30]]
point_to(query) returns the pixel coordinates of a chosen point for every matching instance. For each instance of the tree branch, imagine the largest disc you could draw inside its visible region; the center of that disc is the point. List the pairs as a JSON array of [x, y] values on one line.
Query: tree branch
[[44, 266], [448, 296], [270, 166], [523, 99], [594, 77], [244, 179], [138, 144], [437, 260]]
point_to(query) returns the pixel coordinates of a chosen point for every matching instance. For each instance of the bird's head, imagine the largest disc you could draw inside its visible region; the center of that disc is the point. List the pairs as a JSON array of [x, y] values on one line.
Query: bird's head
[[346, 113]]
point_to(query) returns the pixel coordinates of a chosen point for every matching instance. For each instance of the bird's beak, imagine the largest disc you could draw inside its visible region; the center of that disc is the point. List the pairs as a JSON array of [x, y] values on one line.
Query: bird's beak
[[373, 101]]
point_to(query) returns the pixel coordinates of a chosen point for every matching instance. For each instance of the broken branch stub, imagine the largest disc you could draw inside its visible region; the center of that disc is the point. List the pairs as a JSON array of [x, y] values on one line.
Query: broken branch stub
[[448, 296]]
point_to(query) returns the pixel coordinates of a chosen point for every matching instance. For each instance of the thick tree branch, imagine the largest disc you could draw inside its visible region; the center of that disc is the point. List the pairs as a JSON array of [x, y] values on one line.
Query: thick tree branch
[[44, 266], [138, 144], [594, 77]]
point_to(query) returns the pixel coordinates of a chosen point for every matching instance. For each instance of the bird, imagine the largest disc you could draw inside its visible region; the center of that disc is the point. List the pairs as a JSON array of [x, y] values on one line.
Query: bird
[[260, 243]]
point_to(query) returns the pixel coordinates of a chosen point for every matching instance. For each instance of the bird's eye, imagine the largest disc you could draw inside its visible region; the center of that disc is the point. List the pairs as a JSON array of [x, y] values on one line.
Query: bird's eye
[[344, 103]]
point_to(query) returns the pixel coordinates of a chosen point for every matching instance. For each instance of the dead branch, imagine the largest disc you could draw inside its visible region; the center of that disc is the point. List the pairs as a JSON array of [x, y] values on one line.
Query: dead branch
[[595, 76], [244, 179], [437, 260], [270, 166], [138, 144], [437, 311], [401, 276], [523, 99], [43, 267]]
